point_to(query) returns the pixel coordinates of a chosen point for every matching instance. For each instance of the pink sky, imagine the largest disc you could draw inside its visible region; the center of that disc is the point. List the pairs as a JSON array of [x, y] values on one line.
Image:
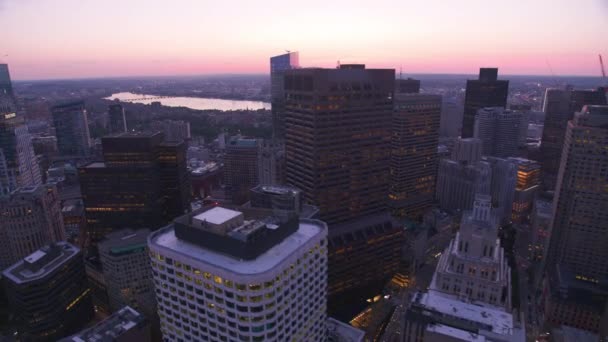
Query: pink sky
[[91, 38]]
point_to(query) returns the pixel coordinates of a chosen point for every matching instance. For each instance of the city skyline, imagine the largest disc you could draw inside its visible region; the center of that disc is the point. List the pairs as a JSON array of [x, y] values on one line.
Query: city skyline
[[196, 38]]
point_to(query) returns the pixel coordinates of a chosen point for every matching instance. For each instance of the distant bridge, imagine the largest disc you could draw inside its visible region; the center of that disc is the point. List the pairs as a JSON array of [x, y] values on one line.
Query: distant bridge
[[149, 98]]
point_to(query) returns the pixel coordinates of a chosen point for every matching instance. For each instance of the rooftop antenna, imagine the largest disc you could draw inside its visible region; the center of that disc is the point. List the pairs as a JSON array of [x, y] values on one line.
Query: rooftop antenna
[[338, 64], [552, 73], [400, 71]]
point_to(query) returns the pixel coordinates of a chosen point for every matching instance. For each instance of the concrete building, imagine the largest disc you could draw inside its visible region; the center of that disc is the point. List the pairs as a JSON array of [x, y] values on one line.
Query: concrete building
[[282, 198], [142, 183], [174, 130], [48, 293], [462, 175], [503, 184], [413, 164], [125, 325], [126, 268], [117, 122], [241, 169], [254, 275], [487, 91], [278, 66], [473, 267], [577, 262], [71, 129], [559, 106], [271, 163], [30, 218], [499, 131]]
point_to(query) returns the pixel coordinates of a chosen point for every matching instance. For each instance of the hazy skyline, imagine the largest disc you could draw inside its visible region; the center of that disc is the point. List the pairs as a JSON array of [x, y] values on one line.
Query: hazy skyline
[[76, 38]]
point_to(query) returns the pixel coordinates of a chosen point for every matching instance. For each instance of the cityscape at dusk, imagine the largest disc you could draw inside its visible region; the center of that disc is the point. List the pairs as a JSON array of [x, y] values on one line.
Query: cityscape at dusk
[[57, 39], [342, 171]]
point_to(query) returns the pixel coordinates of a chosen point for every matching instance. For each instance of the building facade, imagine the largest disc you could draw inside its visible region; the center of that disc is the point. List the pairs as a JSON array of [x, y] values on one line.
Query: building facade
[[48, 293], [18, 163], [117, 122], [413, 164], [126, 268], [474, 265], [174, 130], [271, 163], [462, 175], [71, 129], [499, 131], [528, 184], [251, 276], [30, 218], [577, 262], [559, 106], [487, 91], [142, 183], [241, 169], [337, 138], [278, 66]]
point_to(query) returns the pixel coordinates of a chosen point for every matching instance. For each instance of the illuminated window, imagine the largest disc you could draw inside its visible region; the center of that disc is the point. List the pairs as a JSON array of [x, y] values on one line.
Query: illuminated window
[[217, 279]]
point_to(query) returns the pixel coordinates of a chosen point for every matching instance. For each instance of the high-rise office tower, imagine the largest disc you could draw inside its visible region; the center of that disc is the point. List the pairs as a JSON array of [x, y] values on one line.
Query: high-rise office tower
[[48, 293], [174, 130], [487, 91], [251, 275], [413, 165], [241, 168], [71, 129], [337, 138], [126, 268], [30, 218], [473, 266], [18, 163], [6, 86], [117, 122], [528, 183], [337, 150], [278, 66], [142, 183], [577, 262], [462, 175], [559, 106], [499, 130]]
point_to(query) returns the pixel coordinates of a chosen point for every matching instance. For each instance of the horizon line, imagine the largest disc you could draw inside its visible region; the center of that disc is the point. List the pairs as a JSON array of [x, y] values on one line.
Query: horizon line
[[268, 74]]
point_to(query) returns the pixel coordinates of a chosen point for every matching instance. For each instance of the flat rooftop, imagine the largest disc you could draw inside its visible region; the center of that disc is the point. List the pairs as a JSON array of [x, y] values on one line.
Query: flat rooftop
[[165, 239], [494, 316], [341, 332], [110, 328], [455, 333], [40, 263], [125, 241], [217, 215]]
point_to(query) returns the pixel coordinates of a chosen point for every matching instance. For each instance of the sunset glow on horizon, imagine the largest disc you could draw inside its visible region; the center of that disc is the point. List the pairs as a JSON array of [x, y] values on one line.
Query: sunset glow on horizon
[[75, 38]]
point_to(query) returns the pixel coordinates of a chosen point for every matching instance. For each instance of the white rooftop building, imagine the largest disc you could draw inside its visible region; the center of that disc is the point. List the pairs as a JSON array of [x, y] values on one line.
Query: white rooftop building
[[436, 316], [473, 267], [259, 275]]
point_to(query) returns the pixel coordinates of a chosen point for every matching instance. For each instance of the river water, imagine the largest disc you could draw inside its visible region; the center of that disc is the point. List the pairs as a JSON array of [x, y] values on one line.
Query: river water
[[199, 103]]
